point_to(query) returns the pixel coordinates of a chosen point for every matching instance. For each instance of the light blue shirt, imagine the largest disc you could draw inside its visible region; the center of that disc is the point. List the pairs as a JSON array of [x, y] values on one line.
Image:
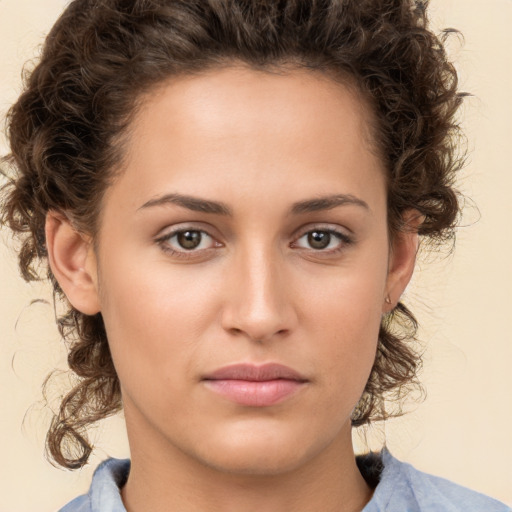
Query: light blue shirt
[[401, 489]]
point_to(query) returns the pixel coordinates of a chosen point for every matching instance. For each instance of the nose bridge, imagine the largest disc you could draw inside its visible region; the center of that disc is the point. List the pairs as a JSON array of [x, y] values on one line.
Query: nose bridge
[[259, 304]]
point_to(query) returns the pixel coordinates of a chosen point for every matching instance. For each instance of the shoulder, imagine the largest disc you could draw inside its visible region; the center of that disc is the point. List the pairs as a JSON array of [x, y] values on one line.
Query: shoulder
[[80, 504], [105, 492], [402, 487]]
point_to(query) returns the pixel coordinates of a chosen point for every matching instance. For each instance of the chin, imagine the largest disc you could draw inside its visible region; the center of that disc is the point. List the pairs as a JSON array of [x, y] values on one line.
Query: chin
[[257, 462], [263, 453]]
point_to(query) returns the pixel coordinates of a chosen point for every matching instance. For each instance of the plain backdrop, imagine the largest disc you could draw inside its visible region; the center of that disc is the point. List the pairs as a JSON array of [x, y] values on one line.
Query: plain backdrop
[[463, 429]]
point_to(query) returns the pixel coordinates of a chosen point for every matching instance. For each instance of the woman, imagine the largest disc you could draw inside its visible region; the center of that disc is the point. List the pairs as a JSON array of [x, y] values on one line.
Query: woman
[[229, 198]]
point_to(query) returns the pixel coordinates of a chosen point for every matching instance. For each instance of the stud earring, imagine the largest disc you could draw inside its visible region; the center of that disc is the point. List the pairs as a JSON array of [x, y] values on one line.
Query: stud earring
[[388, 300]]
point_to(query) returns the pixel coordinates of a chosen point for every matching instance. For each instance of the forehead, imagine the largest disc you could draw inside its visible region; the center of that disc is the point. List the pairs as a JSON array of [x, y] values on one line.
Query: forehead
[[246, 102], [238, 126]]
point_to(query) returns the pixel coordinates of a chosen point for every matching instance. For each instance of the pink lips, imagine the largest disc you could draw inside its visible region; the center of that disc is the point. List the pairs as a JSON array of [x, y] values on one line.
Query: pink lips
[[257, 386]]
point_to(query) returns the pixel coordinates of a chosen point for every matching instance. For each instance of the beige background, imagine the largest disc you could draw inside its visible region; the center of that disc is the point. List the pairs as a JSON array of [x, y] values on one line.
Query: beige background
[[463, 430]]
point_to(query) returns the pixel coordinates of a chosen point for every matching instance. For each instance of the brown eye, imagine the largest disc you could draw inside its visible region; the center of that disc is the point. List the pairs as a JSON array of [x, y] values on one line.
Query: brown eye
[[325, 241], [189, 239], [319, 239]]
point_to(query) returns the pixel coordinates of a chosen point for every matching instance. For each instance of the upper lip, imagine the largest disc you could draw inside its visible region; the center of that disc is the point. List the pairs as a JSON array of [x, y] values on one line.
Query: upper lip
[[251, 372]]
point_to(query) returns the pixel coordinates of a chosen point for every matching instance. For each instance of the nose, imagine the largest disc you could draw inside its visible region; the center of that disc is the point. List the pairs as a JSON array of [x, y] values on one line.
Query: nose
[[259, 302]]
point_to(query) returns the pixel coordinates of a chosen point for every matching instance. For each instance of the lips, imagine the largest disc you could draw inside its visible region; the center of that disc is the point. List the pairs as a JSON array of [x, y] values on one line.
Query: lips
[[255, 373], [256, 386]]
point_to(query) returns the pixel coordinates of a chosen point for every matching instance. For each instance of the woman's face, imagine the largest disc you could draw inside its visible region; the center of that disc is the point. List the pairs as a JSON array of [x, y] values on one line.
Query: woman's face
[[248, 227]]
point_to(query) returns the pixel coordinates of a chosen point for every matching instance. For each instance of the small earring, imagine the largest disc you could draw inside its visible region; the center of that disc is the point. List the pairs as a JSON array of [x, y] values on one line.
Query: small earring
[[388, 300]]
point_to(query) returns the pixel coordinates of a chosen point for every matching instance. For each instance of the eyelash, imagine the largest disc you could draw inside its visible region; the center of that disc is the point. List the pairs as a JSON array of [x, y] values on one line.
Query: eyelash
[[162, 241]]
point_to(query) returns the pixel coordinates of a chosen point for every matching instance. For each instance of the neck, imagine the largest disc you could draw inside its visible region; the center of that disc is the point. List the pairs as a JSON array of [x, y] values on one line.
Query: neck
[[163, 479]]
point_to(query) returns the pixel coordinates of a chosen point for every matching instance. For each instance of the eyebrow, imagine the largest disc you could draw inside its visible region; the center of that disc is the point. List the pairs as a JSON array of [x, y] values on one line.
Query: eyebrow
[[218, 208]]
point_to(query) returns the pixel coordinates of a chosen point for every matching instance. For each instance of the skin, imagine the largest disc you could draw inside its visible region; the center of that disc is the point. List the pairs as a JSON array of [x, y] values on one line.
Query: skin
[[254, 291]]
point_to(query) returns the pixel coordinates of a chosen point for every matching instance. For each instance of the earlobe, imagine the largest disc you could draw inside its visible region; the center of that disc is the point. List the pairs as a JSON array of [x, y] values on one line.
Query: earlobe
[[73, 263], [402, 259]]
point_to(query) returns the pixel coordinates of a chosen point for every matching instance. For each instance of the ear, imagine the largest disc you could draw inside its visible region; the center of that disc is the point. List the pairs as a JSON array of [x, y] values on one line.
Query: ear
[[73, 263], [402, 258]]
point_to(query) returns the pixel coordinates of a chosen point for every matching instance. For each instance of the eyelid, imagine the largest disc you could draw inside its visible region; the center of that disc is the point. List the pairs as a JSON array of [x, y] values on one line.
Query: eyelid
[[179, 227], [330, 228]]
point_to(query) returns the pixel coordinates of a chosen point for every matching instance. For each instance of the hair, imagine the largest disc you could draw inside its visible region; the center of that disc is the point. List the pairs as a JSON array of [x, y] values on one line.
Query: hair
[[66, 131]]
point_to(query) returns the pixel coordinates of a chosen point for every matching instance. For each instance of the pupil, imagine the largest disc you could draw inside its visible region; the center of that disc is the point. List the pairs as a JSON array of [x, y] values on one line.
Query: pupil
[[319, 239], [189, 239]]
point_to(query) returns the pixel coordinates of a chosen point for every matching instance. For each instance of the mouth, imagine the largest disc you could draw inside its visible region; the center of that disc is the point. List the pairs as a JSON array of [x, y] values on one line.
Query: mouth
[[255, 386]]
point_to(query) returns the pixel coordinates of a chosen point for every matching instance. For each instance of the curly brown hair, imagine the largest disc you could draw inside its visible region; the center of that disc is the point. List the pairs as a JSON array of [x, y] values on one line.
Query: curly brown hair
[[66, 132]]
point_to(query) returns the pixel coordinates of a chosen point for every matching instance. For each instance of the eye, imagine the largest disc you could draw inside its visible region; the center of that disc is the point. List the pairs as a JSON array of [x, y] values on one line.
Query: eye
[[186, 240], [326, 240]]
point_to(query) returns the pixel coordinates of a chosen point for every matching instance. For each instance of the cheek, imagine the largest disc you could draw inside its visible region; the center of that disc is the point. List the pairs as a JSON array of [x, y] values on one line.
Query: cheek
[[154, 317], [344, 316]]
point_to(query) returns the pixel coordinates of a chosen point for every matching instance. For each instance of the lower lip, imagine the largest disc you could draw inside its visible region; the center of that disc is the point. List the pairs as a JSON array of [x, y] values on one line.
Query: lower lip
[[255, 394]]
